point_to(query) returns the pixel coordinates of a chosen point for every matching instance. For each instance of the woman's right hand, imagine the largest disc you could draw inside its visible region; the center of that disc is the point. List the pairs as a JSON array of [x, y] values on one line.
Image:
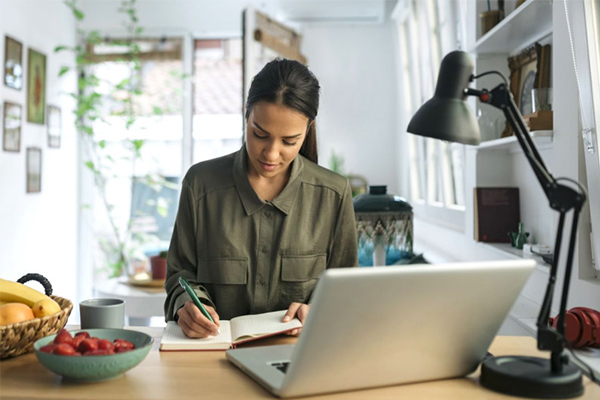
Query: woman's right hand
[[194, 324]]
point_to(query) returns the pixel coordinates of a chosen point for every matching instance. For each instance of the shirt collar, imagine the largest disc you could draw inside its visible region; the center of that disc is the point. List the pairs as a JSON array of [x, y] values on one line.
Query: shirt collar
[[248, 196]]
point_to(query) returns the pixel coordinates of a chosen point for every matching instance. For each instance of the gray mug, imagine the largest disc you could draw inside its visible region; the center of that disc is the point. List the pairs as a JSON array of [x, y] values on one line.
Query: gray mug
[[102, 313]]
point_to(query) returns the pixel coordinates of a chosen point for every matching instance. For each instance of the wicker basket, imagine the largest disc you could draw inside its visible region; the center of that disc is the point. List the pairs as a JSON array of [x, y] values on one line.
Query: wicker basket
[[17, 339]]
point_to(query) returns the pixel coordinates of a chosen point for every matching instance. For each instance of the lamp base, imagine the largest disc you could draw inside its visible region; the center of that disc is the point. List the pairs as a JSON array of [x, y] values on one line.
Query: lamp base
[[530, 377]]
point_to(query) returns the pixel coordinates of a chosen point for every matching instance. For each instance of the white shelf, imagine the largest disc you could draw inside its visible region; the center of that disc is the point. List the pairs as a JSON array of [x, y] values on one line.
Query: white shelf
[[541, 139], [527, 24], [510, 252]]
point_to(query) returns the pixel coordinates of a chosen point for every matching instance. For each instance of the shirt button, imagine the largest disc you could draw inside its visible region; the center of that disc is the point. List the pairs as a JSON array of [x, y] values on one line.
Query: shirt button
[[262, 281], [264, 249], [267, 213]]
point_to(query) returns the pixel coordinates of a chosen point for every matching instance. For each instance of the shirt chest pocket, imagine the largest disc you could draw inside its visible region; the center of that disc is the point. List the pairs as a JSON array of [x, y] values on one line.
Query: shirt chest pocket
[[302, 268], [223, 271]]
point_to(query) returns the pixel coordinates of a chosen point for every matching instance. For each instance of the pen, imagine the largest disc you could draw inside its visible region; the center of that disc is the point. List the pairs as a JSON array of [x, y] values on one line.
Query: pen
[[185, 284]]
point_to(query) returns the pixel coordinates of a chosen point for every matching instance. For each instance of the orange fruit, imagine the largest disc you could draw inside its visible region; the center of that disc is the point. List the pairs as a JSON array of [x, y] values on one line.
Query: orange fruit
[[12, 313]]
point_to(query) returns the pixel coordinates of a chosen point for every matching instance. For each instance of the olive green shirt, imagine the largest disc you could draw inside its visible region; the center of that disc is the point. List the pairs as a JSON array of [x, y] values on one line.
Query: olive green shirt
[[243, 255]]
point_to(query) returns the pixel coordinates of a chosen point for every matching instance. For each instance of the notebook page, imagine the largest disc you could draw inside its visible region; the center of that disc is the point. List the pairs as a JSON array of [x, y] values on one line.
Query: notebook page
[[174, 339], [257, 325]]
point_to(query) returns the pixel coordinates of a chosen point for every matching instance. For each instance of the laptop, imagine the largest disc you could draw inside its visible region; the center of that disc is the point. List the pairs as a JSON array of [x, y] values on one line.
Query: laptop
[[382, 326]]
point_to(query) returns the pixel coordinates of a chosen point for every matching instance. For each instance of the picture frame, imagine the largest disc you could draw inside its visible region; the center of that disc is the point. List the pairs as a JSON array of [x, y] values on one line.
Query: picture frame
[[529, 69], [13, 63], [34, 170], [36, 87], [523, 67], [11, 127], [54, 126]]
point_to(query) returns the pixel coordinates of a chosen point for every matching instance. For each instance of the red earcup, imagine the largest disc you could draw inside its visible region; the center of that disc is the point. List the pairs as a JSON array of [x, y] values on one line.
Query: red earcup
[[593, 318], [591, 314], [573, 329], [582, 326]]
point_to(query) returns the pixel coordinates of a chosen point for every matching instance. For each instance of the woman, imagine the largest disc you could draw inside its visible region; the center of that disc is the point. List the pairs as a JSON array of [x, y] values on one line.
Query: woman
[[256, 228]]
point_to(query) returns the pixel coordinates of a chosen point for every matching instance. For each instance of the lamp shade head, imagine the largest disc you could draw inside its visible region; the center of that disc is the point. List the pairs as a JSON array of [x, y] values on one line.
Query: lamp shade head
[[447, 116]]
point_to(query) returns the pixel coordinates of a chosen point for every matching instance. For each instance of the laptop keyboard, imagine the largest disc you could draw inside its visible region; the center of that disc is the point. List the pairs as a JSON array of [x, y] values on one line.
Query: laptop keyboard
[[282, 366]]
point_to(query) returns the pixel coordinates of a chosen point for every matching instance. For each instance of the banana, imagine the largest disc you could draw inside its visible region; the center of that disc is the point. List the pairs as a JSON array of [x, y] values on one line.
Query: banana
[[14, 292], [45, 307]]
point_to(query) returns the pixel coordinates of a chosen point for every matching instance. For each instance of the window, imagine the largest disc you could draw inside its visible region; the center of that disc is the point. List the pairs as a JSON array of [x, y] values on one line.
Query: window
[[139, 197], [132, 205], [218, 122], [436, 182]]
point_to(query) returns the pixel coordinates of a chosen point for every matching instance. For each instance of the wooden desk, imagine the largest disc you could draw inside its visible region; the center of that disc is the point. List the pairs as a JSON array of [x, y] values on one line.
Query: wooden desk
[[208, 375]]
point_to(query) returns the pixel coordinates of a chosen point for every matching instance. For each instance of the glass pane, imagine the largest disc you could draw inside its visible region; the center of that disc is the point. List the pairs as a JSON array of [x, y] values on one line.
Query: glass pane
[[435, 33], [434, 192], [217, 123], [138, 148], [446, 176], [407, 86], [426, 35], [415, 168], [458, 155]]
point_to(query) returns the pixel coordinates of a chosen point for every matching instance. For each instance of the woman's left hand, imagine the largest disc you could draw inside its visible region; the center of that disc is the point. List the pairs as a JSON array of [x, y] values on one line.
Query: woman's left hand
[[296, 310]]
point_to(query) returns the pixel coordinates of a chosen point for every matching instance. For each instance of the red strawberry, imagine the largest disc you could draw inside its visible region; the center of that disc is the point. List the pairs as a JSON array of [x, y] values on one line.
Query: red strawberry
[[48, 348], [105, 344], [64, 349], [88, 345], [77, 340], [99, 353], [63, 337], [125, 343]]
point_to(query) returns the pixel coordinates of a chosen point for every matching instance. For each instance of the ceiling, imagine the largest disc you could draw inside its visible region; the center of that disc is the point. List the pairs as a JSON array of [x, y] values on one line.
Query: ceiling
[[331, 11]]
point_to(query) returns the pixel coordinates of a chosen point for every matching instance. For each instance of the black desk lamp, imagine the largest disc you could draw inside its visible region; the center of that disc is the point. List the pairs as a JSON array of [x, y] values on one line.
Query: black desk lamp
[[447, 117]]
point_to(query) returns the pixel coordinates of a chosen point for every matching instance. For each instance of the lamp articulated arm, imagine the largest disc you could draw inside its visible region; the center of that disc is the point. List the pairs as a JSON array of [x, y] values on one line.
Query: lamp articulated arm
[[446, 116], [562, 199]]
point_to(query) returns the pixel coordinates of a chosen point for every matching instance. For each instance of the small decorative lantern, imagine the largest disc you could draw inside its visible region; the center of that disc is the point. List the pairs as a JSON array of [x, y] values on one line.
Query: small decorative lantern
[[385, 227]]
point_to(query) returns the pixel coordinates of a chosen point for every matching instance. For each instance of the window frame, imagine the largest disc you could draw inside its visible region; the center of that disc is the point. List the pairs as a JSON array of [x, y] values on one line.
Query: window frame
[[441, 196]]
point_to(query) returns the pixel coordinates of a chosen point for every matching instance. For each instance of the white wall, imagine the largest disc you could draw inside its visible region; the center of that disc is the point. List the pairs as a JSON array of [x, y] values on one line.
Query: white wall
[[354, 65], [357, 116], [38, 230]]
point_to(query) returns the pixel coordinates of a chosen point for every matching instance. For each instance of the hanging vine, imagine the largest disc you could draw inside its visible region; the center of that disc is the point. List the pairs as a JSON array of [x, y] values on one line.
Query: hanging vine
[[121, 247]]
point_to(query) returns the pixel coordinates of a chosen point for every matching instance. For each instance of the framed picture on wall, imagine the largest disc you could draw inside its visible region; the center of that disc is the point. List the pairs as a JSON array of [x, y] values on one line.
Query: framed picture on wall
[[11, 127], [54, 126], [34, 170], [13, 63], [36, 87]]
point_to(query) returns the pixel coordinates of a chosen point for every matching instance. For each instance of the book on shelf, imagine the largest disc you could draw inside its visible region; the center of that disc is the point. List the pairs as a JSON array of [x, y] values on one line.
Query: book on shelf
[[496, 213], [236, 331]]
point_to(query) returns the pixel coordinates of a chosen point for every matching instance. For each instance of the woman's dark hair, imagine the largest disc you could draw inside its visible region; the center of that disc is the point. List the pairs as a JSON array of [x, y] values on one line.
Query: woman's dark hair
[[289, 83]]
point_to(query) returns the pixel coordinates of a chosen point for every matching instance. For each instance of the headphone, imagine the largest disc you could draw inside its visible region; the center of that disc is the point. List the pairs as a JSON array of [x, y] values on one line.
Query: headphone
[[582, 327]]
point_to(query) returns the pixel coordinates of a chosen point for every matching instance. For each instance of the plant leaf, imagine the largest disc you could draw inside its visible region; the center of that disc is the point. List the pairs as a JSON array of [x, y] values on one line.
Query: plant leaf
[[162, 207], [90, 165], [78, 14], [137, 144]]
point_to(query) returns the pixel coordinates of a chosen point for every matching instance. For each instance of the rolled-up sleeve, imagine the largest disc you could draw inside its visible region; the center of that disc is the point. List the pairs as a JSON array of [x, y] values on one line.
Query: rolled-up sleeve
[[182, 256]]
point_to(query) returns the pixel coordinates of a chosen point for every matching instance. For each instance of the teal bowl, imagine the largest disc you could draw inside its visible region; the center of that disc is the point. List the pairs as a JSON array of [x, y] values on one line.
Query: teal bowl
[[96, 368]]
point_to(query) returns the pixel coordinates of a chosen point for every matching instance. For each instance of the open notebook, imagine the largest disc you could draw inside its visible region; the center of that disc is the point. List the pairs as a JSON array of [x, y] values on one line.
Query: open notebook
[[238, 330]]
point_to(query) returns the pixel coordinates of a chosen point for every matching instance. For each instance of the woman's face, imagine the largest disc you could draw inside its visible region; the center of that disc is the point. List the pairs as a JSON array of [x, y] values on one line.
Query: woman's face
[[274, 136]]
